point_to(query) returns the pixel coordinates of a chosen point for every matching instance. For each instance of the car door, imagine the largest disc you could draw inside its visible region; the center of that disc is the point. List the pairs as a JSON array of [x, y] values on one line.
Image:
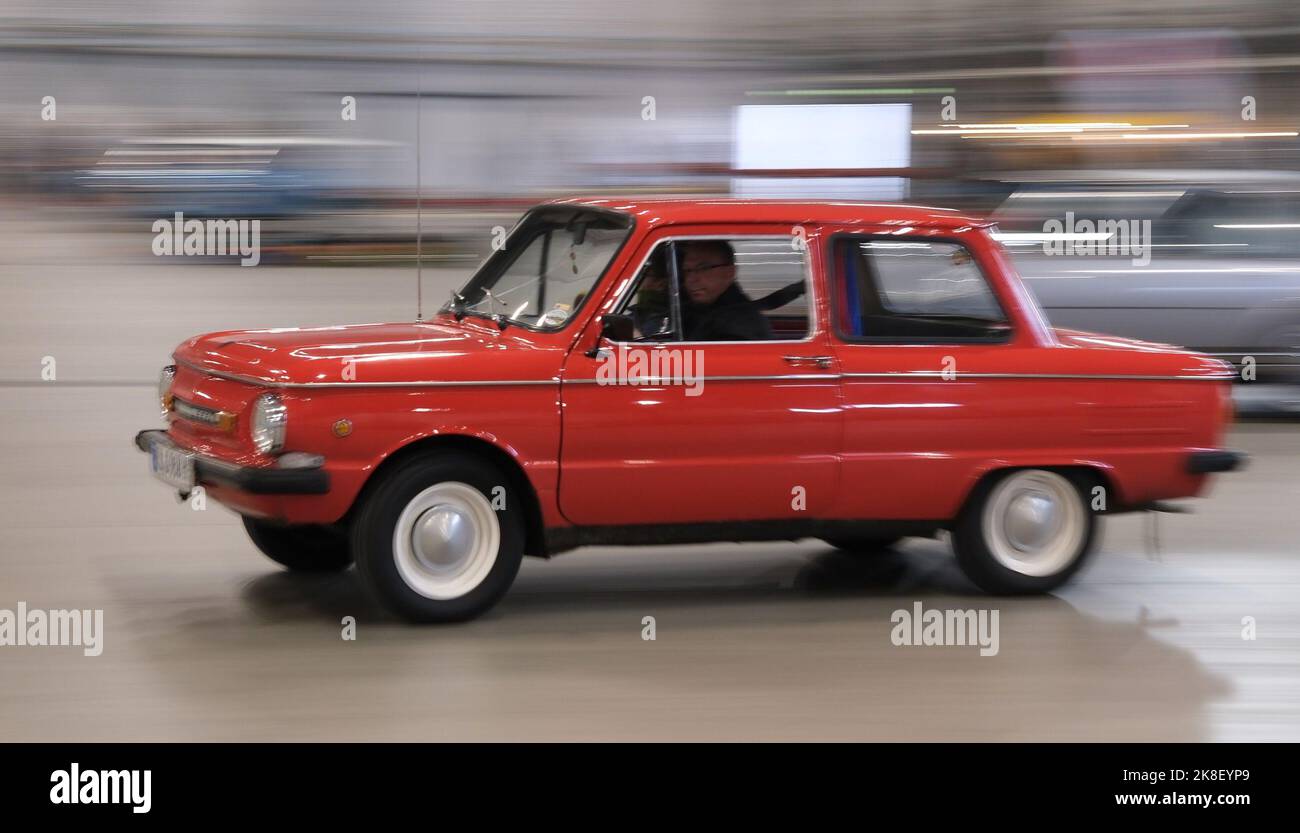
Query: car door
[[669, 431], [916, 366]]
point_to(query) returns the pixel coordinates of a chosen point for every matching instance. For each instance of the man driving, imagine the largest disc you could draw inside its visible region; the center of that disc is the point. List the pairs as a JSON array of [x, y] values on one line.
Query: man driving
[[714, 307]]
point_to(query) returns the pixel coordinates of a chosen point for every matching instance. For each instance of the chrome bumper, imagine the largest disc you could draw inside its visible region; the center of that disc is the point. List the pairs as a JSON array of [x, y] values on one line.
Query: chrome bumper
[[251, 479]]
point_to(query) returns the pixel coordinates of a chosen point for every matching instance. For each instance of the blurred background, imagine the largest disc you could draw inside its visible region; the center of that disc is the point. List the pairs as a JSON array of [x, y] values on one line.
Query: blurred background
[[323, 122], [326, 119]]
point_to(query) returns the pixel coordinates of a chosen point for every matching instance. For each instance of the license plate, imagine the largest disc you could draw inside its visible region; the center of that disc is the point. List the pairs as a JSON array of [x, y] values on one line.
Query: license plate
[[172, 466]]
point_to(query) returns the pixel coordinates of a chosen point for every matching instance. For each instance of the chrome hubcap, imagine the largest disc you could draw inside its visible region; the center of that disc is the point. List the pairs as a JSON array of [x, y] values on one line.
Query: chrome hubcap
[[1034, 523], [443, 538], [1032, 518], [446, 540]]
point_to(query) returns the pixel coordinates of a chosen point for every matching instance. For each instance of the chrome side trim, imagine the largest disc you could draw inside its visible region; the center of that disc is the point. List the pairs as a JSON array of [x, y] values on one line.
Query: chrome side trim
[[898, 376], [919, 376], [1117, 377], [656, 381], [473, 383]]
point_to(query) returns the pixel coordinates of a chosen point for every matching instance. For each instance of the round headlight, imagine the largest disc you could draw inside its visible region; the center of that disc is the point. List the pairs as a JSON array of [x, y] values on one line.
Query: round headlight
[[267, 425], [165, 378]]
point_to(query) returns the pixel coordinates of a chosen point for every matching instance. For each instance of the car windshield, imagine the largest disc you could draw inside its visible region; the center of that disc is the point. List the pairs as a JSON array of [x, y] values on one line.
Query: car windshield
[[546, 269]]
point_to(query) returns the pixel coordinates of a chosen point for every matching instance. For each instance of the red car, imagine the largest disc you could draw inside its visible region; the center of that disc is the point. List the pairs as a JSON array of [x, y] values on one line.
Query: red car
[[669, 371]]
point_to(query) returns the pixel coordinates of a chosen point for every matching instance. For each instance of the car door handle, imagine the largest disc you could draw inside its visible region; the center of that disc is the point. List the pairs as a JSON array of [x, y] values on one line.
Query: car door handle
[[824, 362]]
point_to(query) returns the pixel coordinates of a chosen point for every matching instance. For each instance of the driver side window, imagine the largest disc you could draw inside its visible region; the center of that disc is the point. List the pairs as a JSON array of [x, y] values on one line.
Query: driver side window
[[720, 289]]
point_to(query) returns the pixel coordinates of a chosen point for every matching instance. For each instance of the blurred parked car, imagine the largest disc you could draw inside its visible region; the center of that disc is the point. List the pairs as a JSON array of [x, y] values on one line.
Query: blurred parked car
[[1223, 276]]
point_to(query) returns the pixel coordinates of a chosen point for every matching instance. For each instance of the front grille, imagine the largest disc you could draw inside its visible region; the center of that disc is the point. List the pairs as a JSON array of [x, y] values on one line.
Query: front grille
[[220, 420]]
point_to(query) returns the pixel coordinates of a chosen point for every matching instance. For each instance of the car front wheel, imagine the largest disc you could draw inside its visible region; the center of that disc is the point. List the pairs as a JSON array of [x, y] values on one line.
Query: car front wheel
[[301, 548], [1027, 531], [440, 538]]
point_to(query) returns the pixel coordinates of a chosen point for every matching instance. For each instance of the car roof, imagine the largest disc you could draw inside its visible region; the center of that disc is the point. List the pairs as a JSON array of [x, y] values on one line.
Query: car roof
[[659, 210]]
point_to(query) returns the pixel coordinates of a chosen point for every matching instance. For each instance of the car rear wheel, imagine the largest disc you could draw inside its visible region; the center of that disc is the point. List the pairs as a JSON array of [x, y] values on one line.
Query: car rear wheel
[[301, 548], [440, 538], [1027, 531]]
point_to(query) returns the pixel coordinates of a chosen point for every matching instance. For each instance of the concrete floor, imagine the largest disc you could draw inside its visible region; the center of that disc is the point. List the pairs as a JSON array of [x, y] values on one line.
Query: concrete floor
[[207, 640]]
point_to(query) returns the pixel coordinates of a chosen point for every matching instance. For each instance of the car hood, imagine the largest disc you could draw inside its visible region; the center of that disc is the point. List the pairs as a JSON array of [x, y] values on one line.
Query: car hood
[[368, 354]]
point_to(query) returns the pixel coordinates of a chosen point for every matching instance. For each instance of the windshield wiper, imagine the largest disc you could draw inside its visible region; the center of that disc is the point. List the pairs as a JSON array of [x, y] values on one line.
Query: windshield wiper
[[501, 319], [495, 317], [457, 305], [459, 311]]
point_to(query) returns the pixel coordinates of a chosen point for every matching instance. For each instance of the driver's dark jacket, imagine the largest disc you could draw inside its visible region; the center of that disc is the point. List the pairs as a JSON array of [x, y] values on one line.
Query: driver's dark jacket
[[732, 317]]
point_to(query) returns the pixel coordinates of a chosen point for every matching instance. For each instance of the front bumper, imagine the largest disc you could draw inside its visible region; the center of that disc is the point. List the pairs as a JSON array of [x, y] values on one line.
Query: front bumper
[[1210, 462], [253, 480]]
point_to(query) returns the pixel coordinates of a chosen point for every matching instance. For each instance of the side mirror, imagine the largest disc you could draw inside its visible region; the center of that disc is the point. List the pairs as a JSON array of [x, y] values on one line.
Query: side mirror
[[613, 327], [617, 327]]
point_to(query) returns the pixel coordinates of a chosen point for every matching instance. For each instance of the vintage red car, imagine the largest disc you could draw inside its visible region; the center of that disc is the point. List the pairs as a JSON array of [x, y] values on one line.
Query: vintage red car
[[668, 371]]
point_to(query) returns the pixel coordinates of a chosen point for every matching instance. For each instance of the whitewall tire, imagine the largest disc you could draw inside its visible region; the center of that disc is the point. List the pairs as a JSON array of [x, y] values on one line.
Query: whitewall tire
[[439, 538], [1025, 531]]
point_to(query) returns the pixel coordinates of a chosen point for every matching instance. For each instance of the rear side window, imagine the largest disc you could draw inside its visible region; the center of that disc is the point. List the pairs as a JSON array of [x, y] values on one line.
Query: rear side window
[[912, 291]]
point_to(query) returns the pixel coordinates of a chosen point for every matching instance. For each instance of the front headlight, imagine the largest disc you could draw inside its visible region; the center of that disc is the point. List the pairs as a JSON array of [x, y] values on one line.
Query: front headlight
[[165, 378], [267, 425]]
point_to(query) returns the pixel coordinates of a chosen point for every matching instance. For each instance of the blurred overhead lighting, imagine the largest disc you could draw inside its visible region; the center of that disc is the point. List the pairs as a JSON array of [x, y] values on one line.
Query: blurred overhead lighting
[[1075, 195], [1257, 225], [1036, 129], [1161, 137], [858, 91]]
